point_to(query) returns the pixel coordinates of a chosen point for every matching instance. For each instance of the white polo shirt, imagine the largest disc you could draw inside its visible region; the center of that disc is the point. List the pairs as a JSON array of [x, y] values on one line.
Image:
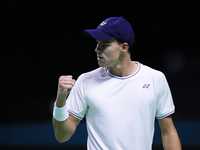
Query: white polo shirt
[[120, 111]]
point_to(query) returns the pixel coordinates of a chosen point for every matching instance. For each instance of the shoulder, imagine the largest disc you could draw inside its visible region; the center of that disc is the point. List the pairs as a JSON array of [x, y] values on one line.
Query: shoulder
[[159, 79], [148, 71], [93, 75]]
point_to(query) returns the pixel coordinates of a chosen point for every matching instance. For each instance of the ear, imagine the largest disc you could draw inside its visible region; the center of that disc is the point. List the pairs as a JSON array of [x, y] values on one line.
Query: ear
[[125, 47]]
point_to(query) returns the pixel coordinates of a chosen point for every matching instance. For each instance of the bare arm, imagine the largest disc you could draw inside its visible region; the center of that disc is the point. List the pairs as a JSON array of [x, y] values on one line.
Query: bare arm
[[64, 129], [169, 134]]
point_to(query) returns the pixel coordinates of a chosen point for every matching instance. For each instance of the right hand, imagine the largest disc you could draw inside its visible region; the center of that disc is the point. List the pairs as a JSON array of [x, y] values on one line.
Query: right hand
[[65, 85]]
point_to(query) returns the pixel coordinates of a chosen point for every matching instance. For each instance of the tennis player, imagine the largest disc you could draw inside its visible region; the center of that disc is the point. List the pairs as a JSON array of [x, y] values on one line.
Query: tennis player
[[120, 100]]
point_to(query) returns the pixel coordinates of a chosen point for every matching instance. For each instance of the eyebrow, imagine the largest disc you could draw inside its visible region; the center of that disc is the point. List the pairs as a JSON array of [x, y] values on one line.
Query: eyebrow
[[106, 41], [98, 41]]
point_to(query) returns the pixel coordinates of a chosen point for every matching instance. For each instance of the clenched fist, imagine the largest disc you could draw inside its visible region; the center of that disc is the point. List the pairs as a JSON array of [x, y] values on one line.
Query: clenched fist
[[65, 85]]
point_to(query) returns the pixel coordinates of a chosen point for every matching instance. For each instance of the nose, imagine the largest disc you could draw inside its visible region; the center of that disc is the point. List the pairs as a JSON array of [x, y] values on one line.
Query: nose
[[98, 49]]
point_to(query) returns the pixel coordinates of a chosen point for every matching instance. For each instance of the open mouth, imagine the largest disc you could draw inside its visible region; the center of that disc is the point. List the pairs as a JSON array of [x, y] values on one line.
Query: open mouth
[[99, 58]]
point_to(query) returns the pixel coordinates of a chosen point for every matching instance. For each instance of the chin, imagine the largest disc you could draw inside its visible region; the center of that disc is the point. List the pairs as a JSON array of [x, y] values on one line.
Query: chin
[[102, 65]]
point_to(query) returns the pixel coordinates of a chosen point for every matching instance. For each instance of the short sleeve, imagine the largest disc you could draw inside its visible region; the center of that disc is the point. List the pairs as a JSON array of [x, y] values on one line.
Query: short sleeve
[[164, 103], [76, 103]]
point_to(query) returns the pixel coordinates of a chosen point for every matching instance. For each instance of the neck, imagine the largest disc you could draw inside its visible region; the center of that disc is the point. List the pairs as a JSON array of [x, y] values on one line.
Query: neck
[[124, 69]]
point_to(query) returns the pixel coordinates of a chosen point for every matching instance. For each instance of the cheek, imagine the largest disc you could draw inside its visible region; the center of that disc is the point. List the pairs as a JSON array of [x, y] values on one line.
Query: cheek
[[109, 56], [114, 55]]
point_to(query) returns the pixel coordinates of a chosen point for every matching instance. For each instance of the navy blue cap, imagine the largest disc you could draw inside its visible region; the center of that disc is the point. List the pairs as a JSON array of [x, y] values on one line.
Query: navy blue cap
[[113, 28]]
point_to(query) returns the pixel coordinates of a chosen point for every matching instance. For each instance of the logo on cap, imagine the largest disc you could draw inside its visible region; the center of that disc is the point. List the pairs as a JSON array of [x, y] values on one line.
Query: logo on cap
[[103, 23]]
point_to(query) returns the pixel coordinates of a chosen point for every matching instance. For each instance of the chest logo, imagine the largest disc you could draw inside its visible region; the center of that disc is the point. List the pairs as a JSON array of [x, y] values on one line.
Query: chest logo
[[146, 86]]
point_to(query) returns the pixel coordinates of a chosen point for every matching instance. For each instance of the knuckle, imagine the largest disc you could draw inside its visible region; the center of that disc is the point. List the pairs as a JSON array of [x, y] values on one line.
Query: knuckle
[[65, 77]]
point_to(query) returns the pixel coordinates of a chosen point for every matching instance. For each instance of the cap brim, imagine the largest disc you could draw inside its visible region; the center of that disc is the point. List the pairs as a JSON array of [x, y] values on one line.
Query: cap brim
[[97, 34]]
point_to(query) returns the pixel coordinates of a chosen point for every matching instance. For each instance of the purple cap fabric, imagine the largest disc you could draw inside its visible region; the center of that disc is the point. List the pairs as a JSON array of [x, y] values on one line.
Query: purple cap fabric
[[113, 28]]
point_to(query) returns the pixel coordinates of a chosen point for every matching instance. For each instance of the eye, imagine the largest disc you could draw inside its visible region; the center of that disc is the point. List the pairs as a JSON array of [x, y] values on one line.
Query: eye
[[104, 45]]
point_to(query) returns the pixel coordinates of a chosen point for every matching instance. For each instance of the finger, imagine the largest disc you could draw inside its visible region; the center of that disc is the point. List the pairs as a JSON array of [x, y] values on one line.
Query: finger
[[73, 81], [67, 86], [65, 78], [68, 76], [66, 82]]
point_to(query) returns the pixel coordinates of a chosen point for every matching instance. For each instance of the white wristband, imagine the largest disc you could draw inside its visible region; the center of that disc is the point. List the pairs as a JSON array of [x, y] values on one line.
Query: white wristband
[[60, 114]]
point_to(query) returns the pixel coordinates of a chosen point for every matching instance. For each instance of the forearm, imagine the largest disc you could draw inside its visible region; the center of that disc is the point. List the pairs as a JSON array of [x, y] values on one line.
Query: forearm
[[63, 123], [63, 130], [63, 126], [171, 141]]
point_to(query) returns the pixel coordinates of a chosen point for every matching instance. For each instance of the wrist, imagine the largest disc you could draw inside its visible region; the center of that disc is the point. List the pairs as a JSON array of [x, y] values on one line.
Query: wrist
[[60, 113], [60, 101], [60, 104]]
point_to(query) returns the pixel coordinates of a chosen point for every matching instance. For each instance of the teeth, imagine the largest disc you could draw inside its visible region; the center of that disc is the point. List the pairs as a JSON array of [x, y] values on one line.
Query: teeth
[[99, 57]]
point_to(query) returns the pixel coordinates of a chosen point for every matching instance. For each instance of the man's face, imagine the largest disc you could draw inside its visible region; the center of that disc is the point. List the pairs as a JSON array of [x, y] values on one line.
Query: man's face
[[108, 53]]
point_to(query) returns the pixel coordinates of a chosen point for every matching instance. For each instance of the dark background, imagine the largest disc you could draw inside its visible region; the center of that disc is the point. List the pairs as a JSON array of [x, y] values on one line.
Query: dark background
[[41, 40]]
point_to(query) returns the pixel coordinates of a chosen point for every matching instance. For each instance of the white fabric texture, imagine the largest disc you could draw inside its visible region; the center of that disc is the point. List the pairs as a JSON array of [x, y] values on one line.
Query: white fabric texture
[[120, 111]]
